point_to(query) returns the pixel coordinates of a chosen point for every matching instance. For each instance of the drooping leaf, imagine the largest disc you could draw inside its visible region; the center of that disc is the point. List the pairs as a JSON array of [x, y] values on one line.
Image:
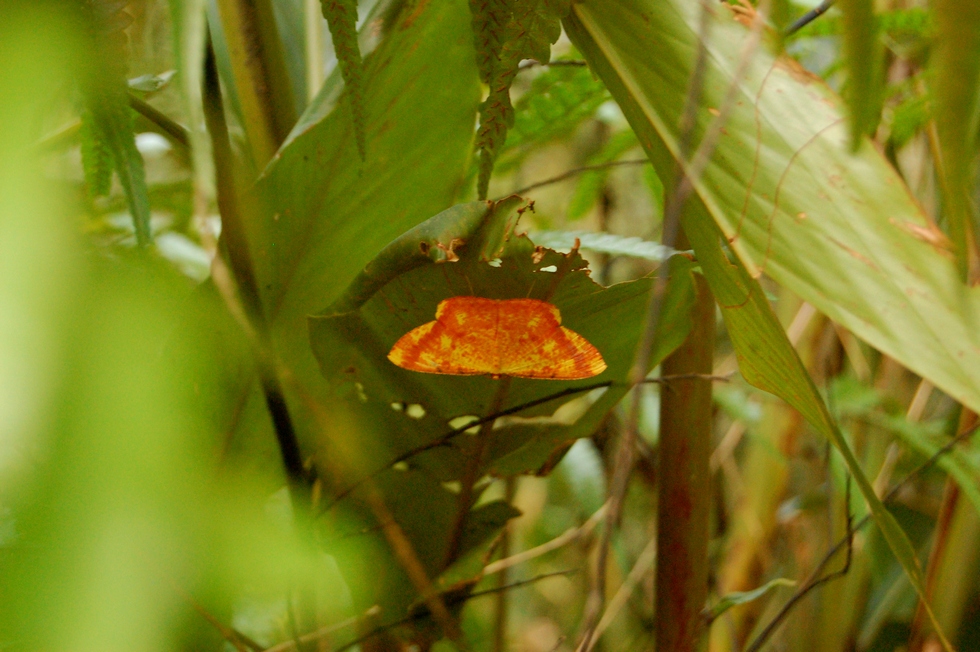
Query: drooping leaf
[[534, 25], [730, 600], [341, 18], [840, 230], [784, 191], [490, 18]]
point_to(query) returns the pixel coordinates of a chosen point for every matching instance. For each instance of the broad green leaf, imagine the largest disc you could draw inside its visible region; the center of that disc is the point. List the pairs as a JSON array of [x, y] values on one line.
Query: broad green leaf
[[352, 337], [466, 250], [840, 230]]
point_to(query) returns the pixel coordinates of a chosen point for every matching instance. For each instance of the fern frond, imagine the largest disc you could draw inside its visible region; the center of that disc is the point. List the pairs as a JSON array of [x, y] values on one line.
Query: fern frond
[[104, 89], [96, 158], [534, 25], [490, 18], [341, 18]]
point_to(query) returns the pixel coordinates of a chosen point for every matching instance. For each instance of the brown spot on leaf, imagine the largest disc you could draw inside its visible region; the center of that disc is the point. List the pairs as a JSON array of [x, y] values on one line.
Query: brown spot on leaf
[[929, 234]]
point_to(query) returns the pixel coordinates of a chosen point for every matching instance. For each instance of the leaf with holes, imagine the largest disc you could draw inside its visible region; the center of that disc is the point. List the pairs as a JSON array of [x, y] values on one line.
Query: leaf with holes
[[353, 339]]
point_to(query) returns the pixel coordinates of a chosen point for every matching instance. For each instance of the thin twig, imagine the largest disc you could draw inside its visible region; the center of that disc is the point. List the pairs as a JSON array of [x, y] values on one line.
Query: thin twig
[[574, 63], [479, 594], [323, 632], [570, 535], [449, 436], [174, 131], [809, 17], [576, 171], [814, 580], [506, 539], [642, 565], [239, 641], [472, 473]]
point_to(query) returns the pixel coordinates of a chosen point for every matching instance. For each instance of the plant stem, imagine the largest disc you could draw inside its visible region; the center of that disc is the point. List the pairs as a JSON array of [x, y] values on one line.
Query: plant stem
[[684, 497]]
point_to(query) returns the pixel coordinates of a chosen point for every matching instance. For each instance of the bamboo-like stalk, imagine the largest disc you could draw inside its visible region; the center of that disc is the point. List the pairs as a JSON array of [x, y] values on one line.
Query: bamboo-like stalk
[[684, 494], [261, 78]]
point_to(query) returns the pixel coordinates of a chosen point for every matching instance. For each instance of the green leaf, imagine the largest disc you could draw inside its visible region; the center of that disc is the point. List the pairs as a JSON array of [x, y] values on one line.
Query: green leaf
[[398, 414], [840, 230], [114, 125], [351, 340], [320, 216], [743, 597], [559, 100], [781, 187]]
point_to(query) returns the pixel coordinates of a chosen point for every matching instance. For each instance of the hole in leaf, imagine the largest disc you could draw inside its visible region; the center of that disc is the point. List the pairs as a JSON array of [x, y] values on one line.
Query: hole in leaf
[[400, 466], [398, 406], [415, 411], [453, 487], [361, 396], [460, 422], [549, 268], [496, 262]]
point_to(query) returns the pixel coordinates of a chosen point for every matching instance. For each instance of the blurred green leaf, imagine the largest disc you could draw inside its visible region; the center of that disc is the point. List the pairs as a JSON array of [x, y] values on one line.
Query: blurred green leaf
[[956, 90], [864, 60], [319, 216], [730, 600]]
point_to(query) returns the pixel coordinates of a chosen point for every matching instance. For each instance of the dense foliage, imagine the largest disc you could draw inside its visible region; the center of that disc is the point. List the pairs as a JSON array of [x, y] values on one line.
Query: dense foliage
[[218, 217]]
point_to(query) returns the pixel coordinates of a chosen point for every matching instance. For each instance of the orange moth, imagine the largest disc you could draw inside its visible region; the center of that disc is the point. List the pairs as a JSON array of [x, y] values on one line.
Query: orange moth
[[512, 337]]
